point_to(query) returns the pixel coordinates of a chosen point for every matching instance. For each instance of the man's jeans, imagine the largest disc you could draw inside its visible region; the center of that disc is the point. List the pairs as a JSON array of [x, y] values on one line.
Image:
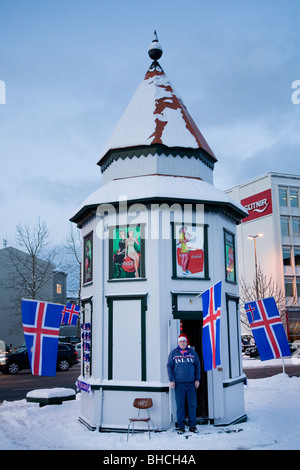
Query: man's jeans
[[188, 390]]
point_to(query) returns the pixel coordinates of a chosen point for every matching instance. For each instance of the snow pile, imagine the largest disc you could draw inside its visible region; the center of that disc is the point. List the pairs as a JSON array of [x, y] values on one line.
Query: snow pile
[[272, 406], [51, 392]]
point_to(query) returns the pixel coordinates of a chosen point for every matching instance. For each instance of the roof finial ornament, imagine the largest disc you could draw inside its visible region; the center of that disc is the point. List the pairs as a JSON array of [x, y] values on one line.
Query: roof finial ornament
[[155, 50]]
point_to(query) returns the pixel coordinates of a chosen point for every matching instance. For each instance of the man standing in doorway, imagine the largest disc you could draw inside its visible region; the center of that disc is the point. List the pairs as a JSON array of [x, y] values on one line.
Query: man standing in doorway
[[184, 375]]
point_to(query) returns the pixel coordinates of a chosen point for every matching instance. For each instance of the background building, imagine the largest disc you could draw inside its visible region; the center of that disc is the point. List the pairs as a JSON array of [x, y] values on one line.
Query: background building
[[272, 201], [17, 282]]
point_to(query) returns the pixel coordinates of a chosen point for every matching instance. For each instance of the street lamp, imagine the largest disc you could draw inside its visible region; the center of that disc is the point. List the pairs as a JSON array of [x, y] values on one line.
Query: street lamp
[[254, 237]]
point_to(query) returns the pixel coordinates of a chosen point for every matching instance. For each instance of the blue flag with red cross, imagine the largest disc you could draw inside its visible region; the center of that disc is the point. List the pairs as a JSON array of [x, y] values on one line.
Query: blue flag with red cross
[[70, 314], [211, 303], [41, 323], [267, 329]]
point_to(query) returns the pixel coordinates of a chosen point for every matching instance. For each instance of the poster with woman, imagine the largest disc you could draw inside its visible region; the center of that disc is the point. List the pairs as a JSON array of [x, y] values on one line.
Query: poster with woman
[[229, 257], [126, 252], [88, 258], [189, 251]]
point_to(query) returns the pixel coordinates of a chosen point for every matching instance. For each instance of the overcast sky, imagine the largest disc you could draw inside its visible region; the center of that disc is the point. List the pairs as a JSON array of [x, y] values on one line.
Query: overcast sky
[[71, 67]]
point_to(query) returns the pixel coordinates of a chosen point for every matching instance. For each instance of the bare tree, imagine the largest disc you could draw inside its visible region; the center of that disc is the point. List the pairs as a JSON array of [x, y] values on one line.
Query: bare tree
[[73, 263], [37, 269]]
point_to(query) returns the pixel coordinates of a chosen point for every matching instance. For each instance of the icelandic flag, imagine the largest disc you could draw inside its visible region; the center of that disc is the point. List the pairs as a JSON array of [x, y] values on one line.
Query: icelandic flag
[[267, 329], [70, 314], [41, 323], [211, 302]]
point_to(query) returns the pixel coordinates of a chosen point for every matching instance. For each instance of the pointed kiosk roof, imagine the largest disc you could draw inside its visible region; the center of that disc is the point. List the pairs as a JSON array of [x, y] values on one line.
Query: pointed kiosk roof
[[156, 118], [156, 115]]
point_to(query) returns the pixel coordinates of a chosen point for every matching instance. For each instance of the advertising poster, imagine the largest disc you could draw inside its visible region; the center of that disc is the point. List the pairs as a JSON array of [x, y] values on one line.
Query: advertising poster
[[88, 258], [229, 257], [188, 251], [126, 252]]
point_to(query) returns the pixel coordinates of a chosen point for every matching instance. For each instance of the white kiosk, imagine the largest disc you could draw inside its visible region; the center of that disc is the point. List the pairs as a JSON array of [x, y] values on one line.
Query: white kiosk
[[139, 286]]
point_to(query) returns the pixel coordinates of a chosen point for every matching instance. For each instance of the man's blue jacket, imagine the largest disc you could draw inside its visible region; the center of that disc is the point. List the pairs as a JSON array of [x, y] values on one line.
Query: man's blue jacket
[[183, 366]]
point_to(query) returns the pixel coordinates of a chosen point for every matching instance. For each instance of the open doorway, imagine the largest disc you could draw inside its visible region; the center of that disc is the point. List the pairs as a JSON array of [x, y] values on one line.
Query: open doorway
[[193, 330]]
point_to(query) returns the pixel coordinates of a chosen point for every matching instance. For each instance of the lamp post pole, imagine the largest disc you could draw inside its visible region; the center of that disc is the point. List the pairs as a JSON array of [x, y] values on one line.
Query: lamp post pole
[[254, 237]]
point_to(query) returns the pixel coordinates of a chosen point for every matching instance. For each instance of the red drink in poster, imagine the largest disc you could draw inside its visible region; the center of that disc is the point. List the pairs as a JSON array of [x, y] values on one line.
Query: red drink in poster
[[196, 260], [128, 265]]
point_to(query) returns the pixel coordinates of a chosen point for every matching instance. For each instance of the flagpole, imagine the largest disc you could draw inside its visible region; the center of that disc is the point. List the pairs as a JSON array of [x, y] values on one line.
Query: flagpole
[[283, 368]]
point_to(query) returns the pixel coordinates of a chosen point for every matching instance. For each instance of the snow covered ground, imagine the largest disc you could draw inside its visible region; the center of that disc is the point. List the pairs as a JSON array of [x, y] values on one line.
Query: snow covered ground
[[272, 405]]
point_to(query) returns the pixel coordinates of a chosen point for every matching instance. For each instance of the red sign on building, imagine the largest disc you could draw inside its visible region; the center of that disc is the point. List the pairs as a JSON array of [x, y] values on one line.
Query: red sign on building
[[258, 205]]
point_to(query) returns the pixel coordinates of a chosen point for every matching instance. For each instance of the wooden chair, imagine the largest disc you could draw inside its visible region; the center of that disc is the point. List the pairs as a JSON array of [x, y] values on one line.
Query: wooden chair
[[141, 404]]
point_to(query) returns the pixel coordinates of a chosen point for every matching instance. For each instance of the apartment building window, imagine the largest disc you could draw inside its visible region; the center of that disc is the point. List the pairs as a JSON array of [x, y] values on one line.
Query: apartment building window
[[285, 228], [58, 289], [297, 256], [298, 288], [296, 226], [286, 254], [294, 197], [283, 200], [288, 285]]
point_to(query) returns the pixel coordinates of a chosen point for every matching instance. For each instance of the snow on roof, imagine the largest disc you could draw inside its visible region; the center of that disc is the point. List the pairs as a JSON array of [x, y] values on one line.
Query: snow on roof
[[156, 115], [158, 187]]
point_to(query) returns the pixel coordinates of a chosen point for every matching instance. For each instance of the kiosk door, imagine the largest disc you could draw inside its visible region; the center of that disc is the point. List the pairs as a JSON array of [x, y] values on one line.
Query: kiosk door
[[193, 330]]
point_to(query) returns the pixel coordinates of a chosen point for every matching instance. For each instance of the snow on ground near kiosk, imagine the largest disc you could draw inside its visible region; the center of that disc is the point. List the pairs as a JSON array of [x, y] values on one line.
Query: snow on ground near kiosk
[[272, 405]]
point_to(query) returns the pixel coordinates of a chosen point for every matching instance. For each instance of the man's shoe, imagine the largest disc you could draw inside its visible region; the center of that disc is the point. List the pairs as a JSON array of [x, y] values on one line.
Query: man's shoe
[[180, 431], [193, 429]]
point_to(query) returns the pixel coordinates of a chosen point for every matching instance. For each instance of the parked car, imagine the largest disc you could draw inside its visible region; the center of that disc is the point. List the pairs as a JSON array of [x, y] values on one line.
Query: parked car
[[78, 349], [253, 352], [69, 339], [66, 358], [4, 352], [247, 344], [4, 348], [293, 347]]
